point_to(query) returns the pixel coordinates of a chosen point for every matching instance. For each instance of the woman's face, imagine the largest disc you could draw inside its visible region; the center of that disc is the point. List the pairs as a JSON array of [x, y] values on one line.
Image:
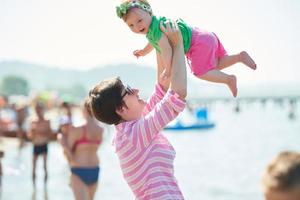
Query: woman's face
[[138, 20], [133, 104]]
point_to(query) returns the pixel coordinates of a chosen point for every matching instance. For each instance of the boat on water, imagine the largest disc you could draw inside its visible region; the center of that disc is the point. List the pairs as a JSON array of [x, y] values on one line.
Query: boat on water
[[178, 126], [191, 121]]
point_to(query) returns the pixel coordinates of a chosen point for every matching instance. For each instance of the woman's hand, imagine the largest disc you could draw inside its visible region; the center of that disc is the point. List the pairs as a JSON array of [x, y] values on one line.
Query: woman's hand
[[172, 31], [178, 81], [165, 74]]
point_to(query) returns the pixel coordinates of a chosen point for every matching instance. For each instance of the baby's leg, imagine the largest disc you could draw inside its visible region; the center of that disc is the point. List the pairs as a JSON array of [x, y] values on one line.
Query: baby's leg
[[243, 57], [220, 77]]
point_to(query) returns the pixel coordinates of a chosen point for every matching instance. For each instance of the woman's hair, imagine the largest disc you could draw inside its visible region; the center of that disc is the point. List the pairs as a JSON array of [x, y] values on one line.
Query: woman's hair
[[104, 99], [283, 173], [87, 106]]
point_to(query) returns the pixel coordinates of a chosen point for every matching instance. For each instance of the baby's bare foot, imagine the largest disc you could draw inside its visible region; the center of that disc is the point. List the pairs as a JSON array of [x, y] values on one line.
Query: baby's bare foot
[[232, 85], [247, 60]]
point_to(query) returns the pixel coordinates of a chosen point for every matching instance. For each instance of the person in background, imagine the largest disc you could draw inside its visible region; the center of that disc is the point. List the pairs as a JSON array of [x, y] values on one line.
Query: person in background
[[80, 145], [39, 133], [65, 125], [281, 180], [67, 109], [21, 111], [145, 154]]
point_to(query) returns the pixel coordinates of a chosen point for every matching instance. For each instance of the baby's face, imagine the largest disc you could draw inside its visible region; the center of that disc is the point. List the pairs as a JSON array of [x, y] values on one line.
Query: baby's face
[[138, 20]]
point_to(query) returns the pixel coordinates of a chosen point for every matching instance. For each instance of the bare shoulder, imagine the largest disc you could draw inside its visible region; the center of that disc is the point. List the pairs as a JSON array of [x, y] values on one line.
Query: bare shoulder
[[76, 130]]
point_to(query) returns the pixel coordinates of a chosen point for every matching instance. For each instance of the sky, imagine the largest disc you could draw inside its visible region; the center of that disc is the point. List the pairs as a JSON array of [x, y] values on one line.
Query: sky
[[77, 34]]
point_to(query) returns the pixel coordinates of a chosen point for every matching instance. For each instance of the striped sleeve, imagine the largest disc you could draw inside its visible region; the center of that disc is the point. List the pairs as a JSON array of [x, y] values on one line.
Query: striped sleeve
[[151, 124], [157, 96]]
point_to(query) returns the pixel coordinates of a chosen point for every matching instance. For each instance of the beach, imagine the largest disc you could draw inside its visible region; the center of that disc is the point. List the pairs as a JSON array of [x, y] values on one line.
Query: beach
[[222, 163]]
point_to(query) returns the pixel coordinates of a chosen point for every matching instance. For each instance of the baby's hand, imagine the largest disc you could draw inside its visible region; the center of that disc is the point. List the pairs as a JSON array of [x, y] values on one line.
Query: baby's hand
[[138, 53]]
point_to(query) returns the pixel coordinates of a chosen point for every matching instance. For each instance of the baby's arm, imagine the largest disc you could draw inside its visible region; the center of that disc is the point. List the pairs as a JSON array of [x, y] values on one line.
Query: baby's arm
[[147, 49], [166, 56]]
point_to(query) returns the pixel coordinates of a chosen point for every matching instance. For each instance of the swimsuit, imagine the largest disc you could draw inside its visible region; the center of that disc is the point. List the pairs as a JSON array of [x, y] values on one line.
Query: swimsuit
[[202, 48], [40, 149], [88, 175], [204, 52], [84, 140], [154, 33]]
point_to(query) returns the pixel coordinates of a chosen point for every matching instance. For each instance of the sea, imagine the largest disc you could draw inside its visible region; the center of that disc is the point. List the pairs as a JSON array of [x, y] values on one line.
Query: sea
[[225, 162]]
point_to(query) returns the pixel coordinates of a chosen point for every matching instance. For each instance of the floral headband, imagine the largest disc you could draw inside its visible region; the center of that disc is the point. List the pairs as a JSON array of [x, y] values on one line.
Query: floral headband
[[124, 7]]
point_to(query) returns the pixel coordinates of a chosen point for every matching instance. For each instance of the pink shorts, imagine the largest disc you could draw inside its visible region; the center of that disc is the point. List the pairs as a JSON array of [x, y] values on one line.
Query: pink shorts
[[204, 51]]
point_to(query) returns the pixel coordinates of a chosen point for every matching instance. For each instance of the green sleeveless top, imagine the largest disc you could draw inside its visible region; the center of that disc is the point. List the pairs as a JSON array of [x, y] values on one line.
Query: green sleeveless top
[[154, 33]]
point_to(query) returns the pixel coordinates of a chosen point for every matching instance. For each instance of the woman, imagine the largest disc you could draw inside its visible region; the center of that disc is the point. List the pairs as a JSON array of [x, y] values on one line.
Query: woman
[[39, 133], [145, 154], [80, 147]]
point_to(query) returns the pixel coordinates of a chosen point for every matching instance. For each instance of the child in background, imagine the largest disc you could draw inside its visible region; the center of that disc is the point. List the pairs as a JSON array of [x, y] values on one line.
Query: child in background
[[281, 180], [205, 53]]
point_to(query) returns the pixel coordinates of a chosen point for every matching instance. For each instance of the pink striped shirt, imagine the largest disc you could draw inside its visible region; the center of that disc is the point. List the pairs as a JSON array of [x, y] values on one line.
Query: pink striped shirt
[[146, 156]]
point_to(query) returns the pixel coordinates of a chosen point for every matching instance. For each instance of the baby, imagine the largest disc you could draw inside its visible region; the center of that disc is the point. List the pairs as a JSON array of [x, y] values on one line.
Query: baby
[[204, 51]]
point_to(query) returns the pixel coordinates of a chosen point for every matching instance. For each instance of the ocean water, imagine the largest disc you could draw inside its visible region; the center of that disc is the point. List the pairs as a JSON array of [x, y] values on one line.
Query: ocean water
[[223, 163]]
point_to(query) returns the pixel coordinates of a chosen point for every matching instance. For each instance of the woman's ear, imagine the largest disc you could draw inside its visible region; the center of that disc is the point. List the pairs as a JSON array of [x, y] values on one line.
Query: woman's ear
[[120, 111]]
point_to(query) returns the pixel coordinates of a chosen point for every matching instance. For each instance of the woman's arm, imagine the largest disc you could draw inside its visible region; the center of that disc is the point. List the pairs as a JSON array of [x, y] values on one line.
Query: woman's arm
[[62, 139], [164, 82], [155, 98], [31, 131], [166, 56], [172, 103], [161, 87], [145, 129], [178, 73]]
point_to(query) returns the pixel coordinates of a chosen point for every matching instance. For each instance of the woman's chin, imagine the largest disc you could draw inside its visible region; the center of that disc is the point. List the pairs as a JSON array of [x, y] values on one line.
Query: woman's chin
[[141, 101]]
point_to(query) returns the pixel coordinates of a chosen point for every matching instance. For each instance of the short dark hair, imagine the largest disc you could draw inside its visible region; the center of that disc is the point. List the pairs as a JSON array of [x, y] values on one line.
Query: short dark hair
[[283, 173], [105, 98]]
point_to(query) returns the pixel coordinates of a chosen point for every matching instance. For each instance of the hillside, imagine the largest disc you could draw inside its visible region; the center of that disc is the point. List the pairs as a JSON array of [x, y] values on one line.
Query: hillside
[[41, 77], [143, 77]]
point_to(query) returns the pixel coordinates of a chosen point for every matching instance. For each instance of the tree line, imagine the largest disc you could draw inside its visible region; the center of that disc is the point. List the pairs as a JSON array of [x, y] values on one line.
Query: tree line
[[17, 85]]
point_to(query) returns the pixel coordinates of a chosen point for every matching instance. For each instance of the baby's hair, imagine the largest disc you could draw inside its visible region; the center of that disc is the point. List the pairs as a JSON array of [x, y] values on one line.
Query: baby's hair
[[125, 6], [144, 1]]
